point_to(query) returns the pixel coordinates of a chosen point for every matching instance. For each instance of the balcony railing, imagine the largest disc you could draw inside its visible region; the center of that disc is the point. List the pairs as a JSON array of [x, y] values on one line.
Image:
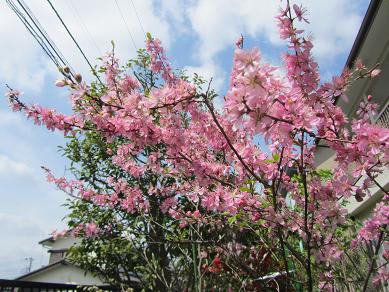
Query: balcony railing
[[383, 117]]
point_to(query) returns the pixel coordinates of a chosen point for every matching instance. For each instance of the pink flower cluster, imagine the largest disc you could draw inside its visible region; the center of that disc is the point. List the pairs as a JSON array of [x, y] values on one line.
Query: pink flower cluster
[[212, 156], [374, 226]]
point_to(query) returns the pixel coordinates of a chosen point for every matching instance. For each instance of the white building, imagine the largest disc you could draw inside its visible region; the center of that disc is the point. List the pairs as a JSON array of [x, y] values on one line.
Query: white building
[[372, 47], [59, 270]]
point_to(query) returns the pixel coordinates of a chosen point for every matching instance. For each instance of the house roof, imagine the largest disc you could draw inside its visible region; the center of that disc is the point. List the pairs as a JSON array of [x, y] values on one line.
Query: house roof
[[47, 240], [44, 269], [363, 31], [362, 34], [48, 267], [64, 262], [22, 280]]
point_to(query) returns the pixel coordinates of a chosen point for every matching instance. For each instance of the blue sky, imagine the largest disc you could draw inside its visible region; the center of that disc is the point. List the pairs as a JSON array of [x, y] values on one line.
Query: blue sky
[[199, 36]]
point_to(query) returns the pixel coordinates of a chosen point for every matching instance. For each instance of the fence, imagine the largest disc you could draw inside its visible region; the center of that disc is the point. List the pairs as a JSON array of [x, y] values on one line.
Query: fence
[[25, 286]]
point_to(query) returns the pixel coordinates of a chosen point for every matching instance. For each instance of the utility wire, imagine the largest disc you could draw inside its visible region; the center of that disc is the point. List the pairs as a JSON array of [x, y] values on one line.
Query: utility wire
[[32, 31], [43, 32], [137, 16], [128, 28], [74, 40], [79, 18], [38, 32]]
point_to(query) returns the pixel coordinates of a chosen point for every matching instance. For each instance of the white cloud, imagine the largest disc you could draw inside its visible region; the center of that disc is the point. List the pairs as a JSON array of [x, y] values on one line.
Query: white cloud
[[218, 23], [212, 26], [209, 70], [334, 25], [29, 211], [21, 234], [24, 225], [23, 64], [7, 118], [11, 167], [215, 24]]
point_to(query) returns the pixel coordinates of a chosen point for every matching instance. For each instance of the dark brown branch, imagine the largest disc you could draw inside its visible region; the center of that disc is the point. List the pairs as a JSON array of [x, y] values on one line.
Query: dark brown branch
[[371, 267], [248, 169]]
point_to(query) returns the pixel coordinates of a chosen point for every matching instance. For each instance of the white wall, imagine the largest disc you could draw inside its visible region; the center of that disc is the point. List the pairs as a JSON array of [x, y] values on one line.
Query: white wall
[[64, 242], [325, 159], [65, 274]]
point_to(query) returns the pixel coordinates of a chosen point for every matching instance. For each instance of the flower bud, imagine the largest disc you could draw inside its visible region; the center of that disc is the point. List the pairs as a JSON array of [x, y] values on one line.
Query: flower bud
[[358, 198], [78, 77], [196, 214], [66, 69], [375, 72], [369, 97], [359, 195], [60, 83]]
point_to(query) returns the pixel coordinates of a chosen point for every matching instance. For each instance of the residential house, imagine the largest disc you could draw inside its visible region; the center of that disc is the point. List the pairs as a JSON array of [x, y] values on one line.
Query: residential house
[[372, 47], [59, 269]]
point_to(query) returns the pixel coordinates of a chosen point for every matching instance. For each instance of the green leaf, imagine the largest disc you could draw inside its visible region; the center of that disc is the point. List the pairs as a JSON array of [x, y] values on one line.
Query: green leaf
[[245, 189], [232, 220], [276, 157]]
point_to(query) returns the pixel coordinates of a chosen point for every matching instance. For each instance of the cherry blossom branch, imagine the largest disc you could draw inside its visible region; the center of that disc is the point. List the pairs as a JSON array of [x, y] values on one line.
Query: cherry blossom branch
[[377, 183], [367, 73], [311, 134], [249, 170], [222, 182], [306, 197], [371, 267]]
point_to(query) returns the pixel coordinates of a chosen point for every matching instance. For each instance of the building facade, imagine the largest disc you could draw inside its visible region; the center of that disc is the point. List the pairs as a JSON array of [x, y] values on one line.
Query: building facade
[[59, 270], [372, 48]]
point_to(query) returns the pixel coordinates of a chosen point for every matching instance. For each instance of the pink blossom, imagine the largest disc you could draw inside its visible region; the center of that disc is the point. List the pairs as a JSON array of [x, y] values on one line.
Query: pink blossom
[[213, 157], [196, 214], [60, 83], [375, 72], [300, 11], [58, 234], [91, 229]]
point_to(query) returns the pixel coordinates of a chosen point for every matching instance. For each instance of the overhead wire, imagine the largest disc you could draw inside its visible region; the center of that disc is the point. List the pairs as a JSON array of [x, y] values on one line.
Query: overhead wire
[[137, 16], [126, 24], [39, 33], [32, 32], [74, 40], [79, 18], [43, 32]]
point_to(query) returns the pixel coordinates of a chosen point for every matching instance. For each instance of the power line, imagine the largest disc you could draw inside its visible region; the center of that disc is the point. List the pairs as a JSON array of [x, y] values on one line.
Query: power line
[[125, 22], [79, 18], [32, 31], [38, 32], [43, 32], [74, 40], [137, 16]]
